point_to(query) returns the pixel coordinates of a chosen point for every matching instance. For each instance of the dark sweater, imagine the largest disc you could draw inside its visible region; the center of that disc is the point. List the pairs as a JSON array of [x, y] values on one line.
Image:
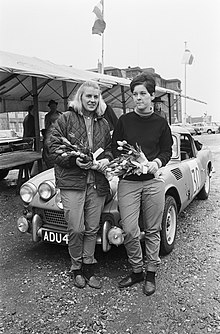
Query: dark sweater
[[152, 133]]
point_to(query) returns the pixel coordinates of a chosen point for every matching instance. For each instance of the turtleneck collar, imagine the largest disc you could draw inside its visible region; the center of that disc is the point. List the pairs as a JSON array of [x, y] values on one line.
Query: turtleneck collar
[[144, 114]]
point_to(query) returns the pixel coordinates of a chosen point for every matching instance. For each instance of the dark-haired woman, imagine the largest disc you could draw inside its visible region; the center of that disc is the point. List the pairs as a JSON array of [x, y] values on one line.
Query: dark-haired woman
[[143, 192]]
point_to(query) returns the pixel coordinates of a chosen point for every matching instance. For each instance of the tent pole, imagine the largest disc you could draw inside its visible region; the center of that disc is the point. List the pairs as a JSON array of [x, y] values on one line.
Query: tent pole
[[103, 68], [36, 113], [5, 111], [65, 98], [123, 100], [169, 106]]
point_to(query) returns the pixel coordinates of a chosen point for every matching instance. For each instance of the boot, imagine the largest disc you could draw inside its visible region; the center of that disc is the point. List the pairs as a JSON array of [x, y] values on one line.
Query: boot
[[88, 271], [78, 279], [149, 284], [131, 279]]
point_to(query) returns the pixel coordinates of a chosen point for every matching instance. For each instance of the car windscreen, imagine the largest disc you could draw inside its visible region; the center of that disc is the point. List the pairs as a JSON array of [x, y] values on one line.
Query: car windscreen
[[175, 148]]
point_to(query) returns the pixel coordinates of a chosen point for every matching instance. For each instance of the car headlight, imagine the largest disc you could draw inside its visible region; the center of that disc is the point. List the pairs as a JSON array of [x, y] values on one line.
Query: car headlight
[[46, 190], [27, 192]]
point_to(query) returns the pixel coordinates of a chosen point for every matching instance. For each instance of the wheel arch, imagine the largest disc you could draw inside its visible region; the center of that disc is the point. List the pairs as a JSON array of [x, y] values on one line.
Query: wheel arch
[[172, 191]]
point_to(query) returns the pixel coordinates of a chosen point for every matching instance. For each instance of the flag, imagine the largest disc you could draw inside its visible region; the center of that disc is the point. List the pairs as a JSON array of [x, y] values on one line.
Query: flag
[[99, 24], [187, 58]]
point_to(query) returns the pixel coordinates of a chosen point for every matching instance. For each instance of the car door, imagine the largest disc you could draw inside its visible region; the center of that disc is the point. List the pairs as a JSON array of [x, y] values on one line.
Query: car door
[[195, 174]]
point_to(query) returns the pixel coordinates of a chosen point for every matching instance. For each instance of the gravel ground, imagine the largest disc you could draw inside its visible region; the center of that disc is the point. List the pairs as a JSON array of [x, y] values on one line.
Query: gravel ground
[[38, 296]]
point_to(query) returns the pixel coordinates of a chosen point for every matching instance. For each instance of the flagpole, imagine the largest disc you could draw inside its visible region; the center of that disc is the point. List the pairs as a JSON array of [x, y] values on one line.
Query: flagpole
[[184, 117], [98, 28], [102, 39]]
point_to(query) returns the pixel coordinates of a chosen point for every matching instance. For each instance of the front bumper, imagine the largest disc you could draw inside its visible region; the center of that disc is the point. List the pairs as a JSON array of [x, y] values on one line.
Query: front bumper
[[58, 234]]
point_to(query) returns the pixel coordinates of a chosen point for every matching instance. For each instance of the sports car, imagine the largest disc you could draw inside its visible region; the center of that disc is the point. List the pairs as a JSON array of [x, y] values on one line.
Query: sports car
[[186, 176]]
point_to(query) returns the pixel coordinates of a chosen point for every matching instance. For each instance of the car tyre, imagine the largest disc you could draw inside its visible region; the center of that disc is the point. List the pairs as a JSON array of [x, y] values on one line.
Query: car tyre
[[169, 225], [204, 192], [3, 173]]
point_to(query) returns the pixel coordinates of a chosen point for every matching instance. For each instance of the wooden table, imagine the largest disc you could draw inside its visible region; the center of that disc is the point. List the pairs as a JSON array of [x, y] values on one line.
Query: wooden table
[[22, 161]]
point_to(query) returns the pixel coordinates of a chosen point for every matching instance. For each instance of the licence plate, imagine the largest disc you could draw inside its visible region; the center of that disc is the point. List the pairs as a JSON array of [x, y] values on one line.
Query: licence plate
[[55, 237]]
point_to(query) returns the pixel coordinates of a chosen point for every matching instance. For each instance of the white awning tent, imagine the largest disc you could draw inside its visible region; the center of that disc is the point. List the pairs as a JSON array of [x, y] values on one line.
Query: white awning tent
[[30, 80], [57, 82]]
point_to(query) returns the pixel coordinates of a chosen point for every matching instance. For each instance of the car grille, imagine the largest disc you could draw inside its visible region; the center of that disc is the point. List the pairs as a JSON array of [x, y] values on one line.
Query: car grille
[[52, 217], [55, 217], [177, 173]]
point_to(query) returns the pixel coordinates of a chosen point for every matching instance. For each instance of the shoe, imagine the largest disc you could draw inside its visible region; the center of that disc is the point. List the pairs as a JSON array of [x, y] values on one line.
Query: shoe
[[131, 279], [91, 279], [149, 287], [79, 281], [78, 278], [94, 282]]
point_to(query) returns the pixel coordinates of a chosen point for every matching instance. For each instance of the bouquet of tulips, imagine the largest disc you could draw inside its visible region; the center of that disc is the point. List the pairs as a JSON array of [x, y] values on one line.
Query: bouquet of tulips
[[131, 161], [79, 149]]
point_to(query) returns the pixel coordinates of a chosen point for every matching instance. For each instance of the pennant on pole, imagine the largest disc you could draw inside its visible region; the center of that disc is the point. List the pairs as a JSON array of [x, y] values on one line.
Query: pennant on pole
[[187, 58], [99, 24]]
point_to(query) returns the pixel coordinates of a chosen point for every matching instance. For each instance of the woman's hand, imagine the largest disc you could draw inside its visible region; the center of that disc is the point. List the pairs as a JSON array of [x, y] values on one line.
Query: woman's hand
[[83, 165], [152, 167], [100, 165], [103, 163]]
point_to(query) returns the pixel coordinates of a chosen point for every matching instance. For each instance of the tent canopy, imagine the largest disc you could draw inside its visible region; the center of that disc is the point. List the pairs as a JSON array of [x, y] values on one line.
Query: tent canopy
[[30, 80], [57, 82]]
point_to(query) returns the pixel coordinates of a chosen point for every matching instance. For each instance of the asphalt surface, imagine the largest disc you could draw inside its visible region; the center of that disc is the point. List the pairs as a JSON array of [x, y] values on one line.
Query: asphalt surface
[[37, 294]]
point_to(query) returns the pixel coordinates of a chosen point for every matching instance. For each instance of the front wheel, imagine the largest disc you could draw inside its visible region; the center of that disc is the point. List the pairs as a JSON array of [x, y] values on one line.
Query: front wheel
[[169, 225]]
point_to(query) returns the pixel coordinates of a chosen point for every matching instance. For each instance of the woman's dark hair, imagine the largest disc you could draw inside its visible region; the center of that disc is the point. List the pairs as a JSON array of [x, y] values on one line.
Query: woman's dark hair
[[146, 79]]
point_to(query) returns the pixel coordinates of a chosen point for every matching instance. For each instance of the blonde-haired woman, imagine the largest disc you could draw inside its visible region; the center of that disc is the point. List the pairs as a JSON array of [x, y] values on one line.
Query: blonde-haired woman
[[83, 189]]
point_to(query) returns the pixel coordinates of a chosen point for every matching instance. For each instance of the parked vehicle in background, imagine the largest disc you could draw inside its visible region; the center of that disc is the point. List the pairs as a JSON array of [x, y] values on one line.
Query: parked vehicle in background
[[216, 125], [192, 129], [186, 176], [207, 127], [10, 142]]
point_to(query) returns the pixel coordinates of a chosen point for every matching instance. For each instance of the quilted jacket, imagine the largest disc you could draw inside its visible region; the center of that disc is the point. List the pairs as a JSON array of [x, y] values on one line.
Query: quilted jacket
[[68, 174]]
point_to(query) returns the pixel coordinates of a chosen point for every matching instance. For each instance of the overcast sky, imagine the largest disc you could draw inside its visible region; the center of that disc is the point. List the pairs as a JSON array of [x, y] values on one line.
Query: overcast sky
[[145, 33]]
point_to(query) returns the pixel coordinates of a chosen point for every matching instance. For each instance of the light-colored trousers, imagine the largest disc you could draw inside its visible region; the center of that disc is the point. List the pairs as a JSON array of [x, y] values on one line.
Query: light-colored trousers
[[148, 196], [82, 212]]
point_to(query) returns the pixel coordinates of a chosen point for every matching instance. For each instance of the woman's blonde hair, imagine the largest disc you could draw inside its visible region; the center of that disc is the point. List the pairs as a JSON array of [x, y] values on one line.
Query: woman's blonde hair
[[76, 103]]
